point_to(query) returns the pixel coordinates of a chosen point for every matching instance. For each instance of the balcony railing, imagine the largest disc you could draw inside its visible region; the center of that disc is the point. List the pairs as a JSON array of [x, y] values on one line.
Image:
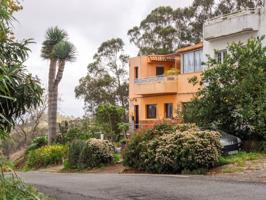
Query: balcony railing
[[154, 79], [241, 21], [156, 85]]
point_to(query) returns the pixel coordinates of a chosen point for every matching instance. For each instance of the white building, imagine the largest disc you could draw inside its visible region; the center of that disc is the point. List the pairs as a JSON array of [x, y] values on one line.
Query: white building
[[238, 26]]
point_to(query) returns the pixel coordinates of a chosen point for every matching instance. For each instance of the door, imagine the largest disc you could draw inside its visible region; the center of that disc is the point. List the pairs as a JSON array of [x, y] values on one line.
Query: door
[[136, 116]]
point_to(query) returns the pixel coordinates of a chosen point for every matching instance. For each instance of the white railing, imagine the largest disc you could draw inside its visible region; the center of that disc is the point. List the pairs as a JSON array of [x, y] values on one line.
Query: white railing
[[154, 79], [232, 15]]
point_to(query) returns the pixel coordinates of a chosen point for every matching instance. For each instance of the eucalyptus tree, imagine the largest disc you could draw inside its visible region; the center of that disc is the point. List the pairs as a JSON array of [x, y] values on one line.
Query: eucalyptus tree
[[165, 29], [106, 80], [58, 50]]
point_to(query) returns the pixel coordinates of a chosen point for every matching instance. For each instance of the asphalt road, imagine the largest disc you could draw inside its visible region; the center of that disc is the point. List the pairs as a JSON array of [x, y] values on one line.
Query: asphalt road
[[140, 187]]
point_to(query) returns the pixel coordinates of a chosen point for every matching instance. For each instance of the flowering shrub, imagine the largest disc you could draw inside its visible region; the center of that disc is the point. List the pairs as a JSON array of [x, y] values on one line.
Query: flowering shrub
[[89, 154], [46, 155], [182, 147]]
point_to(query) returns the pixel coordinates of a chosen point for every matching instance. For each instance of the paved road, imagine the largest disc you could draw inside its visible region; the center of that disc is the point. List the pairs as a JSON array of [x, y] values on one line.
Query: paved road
[[140, 187]]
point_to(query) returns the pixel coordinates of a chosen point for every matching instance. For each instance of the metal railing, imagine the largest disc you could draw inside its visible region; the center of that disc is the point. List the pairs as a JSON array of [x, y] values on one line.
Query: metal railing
[[154, 79]]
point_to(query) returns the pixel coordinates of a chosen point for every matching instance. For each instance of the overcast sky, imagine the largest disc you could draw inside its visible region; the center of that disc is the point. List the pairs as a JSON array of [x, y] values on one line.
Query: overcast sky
[[88, 23]]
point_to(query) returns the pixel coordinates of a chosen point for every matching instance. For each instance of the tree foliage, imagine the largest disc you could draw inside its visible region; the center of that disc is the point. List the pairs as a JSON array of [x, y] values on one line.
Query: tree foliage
[[19, 90], [166, 29], [233, 97], [109, 117], [106, 80]]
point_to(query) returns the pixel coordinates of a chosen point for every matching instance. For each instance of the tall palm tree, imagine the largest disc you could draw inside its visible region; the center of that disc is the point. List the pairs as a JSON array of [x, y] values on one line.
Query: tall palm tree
[[58, 50]]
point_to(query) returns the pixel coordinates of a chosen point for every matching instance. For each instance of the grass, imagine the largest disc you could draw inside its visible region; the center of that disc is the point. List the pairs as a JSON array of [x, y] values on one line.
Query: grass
[[240, 158]]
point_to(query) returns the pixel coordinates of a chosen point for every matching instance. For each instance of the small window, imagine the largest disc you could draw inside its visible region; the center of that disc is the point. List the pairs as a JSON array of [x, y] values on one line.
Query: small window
[[151, 111], [159, 71], [168, 107], [220, 56], [192, 61], [136, 72]]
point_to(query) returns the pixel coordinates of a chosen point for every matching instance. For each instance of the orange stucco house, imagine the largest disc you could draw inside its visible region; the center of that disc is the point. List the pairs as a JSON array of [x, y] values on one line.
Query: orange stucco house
[[159, 85]]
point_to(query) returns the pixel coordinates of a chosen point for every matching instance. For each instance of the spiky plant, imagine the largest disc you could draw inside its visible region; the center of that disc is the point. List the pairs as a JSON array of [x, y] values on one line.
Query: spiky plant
[[58, 50]]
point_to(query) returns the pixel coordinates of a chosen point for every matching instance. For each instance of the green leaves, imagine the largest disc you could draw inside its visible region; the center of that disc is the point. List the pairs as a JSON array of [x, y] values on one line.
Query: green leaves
[[54, 35], [65, 50], [234, 92], [109, 117], [106, 81]]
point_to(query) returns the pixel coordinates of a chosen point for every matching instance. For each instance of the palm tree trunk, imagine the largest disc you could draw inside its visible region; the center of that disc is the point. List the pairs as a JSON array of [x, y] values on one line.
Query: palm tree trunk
[[53, 100], [53, 114], [52, 71]]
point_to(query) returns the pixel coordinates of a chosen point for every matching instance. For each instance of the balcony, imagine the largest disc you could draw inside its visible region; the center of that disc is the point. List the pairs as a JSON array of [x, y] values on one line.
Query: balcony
[[234, 23], [156, 85]]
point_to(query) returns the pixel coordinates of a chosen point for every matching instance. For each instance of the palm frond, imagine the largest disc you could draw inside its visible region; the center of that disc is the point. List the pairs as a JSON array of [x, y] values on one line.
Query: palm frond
[[53, 36], [65, 50]]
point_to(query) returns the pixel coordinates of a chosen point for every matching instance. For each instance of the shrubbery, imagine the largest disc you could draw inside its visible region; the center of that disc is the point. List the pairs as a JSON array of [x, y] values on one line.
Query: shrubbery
[[172, 149], [89, 154], [46, 155], [13, 188], [38, 142]]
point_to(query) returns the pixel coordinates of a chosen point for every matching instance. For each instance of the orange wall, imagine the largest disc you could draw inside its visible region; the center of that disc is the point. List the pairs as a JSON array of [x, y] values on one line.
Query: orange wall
[[184, 93]]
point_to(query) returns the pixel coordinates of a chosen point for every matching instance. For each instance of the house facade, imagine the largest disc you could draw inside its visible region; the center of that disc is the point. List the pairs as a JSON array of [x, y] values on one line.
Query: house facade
[[235, 27], [159, 85]]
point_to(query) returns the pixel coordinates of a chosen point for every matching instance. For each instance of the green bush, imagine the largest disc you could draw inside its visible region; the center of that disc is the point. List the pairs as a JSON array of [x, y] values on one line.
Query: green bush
[[72, 134], [37, 143], [46, 155], [13, 188], [172, 149], [89, 154]]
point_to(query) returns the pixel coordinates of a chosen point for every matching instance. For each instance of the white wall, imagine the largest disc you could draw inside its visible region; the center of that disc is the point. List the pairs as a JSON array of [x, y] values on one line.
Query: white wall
[[220, 43]]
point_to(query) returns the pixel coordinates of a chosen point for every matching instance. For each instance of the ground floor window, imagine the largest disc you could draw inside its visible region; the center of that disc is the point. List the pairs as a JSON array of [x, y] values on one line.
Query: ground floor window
[[151, 111], [168, 107]]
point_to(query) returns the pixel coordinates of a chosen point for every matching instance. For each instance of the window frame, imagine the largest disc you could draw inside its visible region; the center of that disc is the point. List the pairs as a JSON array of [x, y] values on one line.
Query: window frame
[[148, 116], [222, 52], [194, 61], [136, 72], [166, 111]]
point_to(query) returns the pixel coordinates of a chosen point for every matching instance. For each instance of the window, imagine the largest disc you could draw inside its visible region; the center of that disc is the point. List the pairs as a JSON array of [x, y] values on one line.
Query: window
[[192, 61], [136, 72], [168, 107], [220, 55], [159, 71], [151, 111]]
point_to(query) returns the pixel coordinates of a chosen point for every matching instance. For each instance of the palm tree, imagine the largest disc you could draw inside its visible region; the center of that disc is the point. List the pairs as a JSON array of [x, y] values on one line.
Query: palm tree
[[58, 50]]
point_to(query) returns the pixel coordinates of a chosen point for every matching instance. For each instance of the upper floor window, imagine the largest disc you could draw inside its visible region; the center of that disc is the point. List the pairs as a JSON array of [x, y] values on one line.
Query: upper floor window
[[159, 71], [136, 71], [220, 55], [192, 61], [151, 111]]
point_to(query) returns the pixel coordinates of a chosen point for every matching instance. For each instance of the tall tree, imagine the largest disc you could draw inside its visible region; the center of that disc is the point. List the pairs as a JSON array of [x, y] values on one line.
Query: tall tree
[[166, 29], [58, 51], [156, 33], [106, 81]]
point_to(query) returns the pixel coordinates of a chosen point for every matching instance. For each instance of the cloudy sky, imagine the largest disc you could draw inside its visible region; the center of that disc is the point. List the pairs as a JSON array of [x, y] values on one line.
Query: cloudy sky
[[88, 23]]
